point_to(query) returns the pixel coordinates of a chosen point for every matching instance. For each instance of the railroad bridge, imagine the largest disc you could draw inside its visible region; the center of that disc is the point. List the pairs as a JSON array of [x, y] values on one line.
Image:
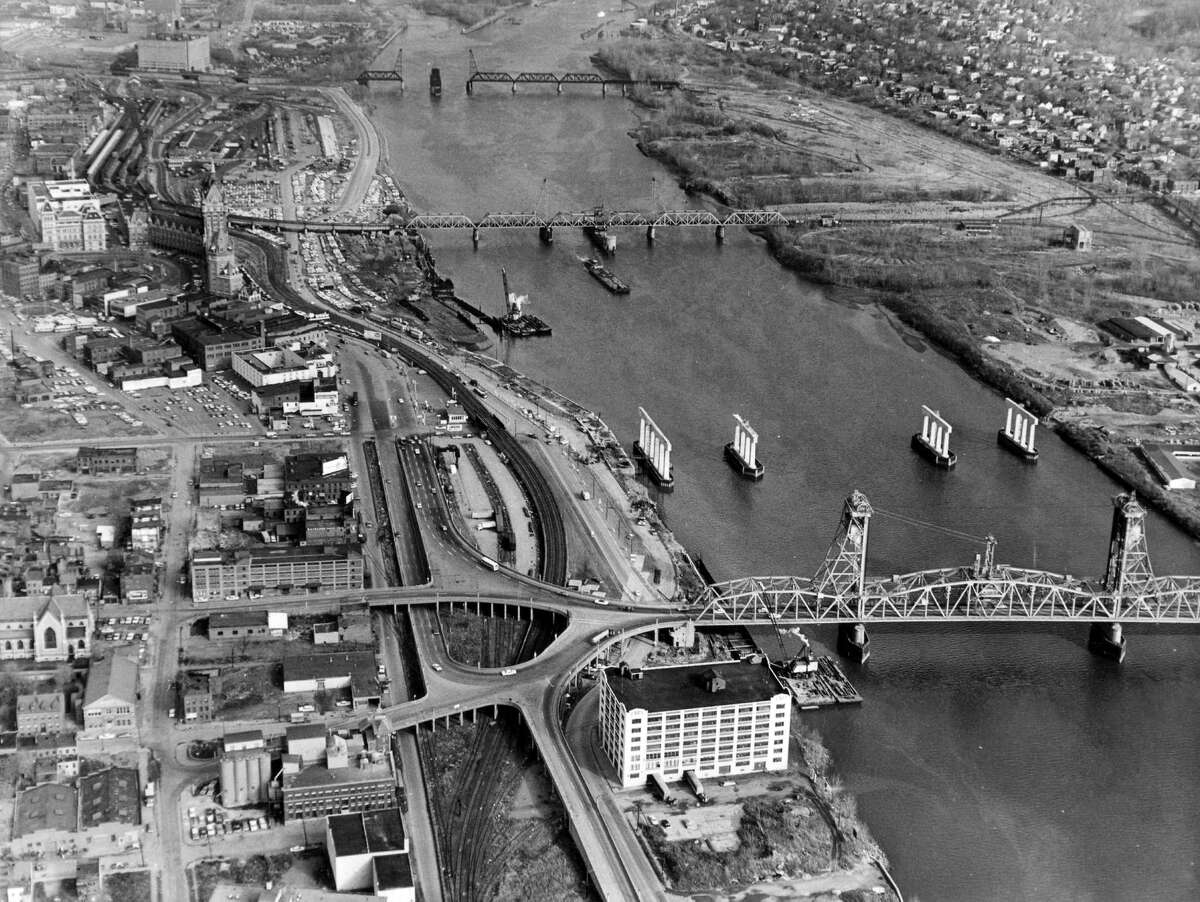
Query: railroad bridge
[[597, 219], [479, 76], [842, 593]]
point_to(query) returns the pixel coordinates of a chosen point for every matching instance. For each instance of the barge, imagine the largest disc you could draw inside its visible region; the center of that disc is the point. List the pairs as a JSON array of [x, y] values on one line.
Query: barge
[[605, 276], [944, 461], [515, 321], [1008, 443], [749, 471], [664, 481]]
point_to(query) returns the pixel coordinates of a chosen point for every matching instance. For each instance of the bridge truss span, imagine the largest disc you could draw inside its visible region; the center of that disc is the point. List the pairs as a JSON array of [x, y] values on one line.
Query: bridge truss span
[[842, 594]]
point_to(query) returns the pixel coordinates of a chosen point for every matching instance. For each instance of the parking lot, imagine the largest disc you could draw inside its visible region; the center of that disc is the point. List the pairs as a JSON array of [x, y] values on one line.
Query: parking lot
[[203, 409]]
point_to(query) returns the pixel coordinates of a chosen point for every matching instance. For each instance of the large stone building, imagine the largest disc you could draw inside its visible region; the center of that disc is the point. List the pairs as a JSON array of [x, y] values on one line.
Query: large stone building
[[230, 574], [175, 53], [67, 215], [224, 275], [715, 719], [46, 628]]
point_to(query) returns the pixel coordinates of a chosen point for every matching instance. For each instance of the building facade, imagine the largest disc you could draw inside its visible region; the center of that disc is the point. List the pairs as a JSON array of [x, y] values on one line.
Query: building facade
[[219, 574], [110, 703], [46, 628], [715, 719], [106, 460], [41, 712]]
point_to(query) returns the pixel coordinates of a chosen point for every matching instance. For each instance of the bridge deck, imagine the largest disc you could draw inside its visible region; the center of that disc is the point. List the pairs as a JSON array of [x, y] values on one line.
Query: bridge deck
[[1009, 594]]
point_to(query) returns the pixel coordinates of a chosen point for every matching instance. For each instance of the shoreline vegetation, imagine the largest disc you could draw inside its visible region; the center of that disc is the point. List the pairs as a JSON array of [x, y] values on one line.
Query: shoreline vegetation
[[733, 152]]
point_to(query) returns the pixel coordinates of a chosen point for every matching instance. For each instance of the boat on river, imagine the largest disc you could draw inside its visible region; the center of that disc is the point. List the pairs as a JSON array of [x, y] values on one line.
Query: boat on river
[[605, 276]]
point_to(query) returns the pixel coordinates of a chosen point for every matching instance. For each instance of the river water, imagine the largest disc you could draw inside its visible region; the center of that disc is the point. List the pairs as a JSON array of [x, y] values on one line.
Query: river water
[[991, 763]]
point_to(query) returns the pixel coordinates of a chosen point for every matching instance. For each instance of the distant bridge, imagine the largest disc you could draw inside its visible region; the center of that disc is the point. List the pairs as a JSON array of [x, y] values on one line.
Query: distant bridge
[[841, 593], [479, 76], [366, 77], [567, 78], [596, 219]]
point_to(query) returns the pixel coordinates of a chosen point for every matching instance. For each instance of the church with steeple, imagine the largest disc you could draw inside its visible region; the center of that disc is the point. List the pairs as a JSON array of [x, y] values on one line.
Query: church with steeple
[[224, 276]]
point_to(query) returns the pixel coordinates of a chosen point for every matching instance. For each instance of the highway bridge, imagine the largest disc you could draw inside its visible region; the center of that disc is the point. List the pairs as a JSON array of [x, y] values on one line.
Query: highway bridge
[[843, 594]]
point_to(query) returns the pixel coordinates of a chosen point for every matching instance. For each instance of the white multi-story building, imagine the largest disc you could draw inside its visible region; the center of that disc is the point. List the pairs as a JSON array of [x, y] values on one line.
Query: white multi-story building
[[175, 53], [68, 215], [715, 719], [277, 366]]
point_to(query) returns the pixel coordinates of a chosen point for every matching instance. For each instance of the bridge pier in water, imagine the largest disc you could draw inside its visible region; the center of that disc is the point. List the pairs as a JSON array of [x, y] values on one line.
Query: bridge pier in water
[[853, 642], [475, 237], [1107, 640], [720, 233], [649, 234], [546, 234]]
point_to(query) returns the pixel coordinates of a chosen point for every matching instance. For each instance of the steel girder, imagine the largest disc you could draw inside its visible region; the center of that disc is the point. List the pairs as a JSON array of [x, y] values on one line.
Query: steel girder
[[1010, 594], [537, 78]]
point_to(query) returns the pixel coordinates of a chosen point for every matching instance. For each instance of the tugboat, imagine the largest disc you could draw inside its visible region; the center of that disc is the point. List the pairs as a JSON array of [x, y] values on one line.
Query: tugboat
[[435, 82], [605, 276], [516, 322]]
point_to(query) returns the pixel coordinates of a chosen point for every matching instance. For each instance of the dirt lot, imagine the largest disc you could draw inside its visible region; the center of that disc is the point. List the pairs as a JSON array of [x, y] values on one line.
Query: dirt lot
[[788, 835]]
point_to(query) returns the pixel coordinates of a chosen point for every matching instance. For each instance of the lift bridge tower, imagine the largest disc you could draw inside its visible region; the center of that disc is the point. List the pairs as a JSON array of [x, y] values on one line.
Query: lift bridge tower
[[1128, 575]]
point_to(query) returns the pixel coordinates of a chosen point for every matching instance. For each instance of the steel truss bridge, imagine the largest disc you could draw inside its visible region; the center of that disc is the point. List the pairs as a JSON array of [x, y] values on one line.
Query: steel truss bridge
[[366, 77], [597, 219], [567, 78], [841, 592]]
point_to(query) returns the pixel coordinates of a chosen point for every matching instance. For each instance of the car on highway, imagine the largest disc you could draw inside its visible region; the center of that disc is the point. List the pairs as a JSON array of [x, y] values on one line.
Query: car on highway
[[508, 671], [603, 601], [437, 668]]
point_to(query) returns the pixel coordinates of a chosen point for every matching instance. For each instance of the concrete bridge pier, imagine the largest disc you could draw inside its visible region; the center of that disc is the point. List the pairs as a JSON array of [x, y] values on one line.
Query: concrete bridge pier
[[546, 234], [558, 88], [1108, 641], [853, 642], [720, 233], [475, 237], [649, 234]]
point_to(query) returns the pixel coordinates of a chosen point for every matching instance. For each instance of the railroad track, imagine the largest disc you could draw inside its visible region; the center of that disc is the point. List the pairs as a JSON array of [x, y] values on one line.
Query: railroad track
[[543, 507], [383, 519]]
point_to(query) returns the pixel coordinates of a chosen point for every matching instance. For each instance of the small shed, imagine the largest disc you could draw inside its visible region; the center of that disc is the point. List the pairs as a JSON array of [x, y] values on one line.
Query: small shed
[[1077, 238]]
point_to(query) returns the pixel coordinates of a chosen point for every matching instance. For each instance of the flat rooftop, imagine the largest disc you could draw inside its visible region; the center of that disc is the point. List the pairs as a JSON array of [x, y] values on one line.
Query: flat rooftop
[[367, 831], [682, 688]]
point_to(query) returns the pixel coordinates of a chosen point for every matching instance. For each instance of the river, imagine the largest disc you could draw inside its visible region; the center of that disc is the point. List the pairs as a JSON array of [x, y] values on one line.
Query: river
[[991, 763]]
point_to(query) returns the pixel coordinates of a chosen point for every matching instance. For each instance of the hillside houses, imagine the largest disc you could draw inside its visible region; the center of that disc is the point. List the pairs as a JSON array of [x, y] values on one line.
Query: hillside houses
[[993, 69]]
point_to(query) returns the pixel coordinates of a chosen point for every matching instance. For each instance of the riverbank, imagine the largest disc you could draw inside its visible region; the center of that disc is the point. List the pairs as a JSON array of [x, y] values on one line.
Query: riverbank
[[1012, 303]]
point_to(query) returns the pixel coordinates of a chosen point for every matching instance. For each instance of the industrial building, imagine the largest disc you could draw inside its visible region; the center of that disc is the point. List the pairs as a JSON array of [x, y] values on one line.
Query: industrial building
[[276, 366], [245, 777], [325, 671], [356, 775], [358, 844], [196, 697], [67, 215], [98, 461], [222, 574], [715, 719], [175, 53]]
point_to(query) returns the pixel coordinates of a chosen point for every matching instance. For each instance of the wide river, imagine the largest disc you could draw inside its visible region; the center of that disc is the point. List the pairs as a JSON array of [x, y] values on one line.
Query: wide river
[[991, 763]]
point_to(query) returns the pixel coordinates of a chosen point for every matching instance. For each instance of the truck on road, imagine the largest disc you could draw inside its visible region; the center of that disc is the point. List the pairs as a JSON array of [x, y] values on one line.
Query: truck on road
[[601, 636]]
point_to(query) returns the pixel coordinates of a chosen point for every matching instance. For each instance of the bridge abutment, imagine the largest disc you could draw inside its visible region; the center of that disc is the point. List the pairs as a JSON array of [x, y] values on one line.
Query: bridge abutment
[[1107, 640], [853, 642]]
